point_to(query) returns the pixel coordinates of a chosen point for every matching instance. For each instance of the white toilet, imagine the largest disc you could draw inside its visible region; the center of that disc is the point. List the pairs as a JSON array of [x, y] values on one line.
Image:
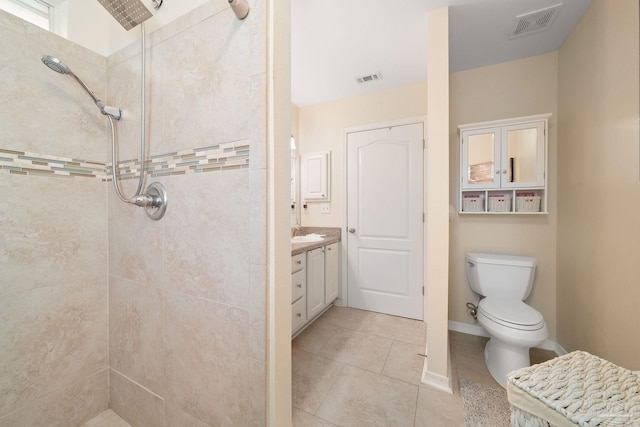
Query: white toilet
[[504, 282]]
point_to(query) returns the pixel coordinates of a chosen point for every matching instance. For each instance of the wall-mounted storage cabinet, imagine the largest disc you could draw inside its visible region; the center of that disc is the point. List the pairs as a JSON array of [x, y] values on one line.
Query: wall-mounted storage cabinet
[[315, 177], [503, 166]]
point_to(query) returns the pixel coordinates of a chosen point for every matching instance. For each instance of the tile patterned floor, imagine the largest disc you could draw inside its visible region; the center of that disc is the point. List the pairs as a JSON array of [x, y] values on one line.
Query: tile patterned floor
[[357, 368]]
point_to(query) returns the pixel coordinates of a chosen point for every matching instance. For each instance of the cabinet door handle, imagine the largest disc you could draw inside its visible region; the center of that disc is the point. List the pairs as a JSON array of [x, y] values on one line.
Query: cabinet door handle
[[328, 249], [299, 314], [504, 171], [299, 285], [352, 230], [299, 262]]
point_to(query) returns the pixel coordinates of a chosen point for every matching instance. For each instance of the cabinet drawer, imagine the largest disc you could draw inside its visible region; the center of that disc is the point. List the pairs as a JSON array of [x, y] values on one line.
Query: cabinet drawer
[[298, 262], [298, 284], [298, 314]]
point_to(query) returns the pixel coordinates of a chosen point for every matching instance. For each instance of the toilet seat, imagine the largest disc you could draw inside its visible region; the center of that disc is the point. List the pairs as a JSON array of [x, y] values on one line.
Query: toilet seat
[[511, 313]]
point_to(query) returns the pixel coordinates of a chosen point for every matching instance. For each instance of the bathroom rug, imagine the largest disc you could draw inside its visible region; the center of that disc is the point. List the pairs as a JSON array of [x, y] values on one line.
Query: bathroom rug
[[484, 406]]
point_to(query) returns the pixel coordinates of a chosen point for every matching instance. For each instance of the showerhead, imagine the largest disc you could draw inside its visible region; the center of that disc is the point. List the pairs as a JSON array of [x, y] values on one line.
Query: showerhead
[[56, 65], [128, 13], [60, 67]]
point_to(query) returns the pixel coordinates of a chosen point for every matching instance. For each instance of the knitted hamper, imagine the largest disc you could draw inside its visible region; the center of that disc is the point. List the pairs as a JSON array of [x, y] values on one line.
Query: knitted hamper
[[575, 389]]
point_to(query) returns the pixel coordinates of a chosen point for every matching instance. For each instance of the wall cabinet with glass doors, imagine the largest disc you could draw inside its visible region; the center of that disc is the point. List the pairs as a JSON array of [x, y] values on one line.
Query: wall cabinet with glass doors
[[503, 166]]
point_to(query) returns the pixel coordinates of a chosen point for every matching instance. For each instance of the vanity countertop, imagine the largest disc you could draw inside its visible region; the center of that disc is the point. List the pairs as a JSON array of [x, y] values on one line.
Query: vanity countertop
[[332, 235]]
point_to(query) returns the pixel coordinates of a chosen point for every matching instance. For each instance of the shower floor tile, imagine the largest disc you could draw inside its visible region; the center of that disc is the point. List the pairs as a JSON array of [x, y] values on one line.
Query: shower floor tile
[[107, 418]]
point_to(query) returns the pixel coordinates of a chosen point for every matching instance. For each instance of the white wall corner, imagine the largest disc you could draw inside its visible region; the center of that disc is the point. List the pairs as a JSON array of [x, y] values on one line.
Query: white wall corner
[[437, 381]]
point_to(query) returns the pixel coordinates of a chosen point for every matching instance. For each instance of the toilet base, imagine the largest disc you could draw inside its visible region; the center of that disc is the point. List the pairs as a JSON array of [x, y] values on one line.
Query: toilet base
[[502, 358]]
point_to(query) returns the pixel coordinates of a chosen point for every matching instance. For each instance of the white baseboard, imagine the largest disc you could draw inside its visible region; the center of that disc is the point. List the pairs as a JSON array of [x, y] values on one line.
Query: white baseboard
[[478, 330], [466, 328], [560, 350], [437, 381]]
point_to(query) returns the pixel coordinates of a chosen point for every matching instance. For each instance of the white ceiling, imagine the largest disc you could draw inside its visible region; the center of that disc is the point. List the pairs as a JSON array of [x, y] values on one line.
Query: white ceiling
[[335, 41]]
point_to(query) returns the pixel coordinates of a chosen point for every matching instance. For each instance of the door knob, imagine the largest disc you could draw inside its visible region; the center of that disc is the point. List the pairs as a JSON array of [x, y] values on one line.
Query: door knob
[[352, 230]]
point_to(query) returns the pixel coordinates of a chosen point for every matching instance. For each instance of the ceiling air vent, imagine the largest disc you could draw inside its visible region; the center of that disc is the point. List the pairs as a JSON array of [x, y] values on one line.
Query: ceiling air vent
[[369, 78], [535, 21]]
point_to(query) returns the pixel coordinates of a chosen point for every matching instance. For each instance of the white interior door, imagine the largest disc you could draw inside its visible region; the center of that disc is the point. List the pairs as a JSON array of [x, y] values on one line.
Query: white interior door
[[385, 220]]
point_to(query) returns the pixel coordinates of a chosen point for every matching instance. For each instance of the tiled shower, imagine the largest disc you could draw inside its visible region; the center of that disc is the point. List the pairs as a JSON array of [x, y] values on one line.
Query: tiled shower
[[162, 321]]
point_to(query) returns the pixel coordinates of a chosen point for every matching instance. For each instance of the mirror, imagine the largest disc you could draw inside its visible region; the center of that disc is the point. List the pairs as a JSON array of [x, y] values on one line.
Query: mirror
[[522, 156], [295, 184], [480, 158]]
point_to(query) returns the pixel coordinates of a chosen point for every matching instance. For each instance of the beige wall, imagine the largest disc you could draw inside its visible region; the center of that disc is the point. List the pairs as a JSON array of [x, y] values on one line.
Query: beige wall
[[436, 278], [599, 191], [512, 89], [321, 128]]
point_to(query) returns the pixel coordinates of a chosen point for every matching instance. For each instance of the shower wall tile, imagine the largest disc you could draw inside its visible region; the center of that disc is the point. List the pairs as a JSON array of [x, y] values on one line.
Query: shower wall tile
[[207, 362], [124, 89], [175, 417], [207, 111], [207, 236], [258, 128], [43, 111], [257, 413], [257, 23], [75, 404], [258, 216], [134, 403], [51, 233], [135, 242], [258, 313], [51, 337], [204, 92], [136, 323], [192, 19], [19, 27]]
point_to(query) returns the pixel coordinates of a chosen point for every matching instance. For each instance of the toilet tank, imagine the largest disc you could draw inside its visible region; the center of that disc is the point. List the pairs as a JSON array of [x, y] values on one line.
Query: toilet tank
[[500, 275]]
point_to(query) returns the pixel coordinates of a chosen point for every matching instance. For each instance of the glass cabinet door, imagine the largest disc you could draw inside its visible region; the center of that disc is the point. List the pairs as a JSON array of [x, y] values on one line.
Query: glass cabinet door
[[523, 155], [480, 158]]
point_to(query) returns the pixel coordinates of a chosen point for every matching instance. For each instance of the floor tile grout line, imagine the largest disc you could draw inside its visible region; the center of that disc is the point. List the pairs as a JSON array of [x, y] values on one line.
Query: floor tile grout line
[[315, 414]]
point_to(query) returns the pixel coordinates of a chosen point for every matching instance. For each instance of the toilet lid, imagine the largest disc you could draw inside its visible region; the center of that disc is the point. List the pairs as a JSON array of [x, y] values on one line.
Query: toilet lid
[[509, 312]]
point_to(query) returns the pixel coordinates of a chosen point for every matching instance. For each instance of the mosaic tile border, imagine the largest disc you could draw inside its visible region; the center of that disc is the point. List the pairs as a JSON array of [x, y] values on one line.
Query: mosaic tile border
[[220, 157]]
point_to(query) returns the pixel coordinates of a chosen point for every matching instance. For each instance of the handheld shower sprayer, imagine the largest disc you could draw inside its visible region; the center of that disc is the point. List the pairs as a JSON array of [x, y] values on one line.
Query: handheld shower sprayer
[[60, 67], [154, 201], [129, 14]]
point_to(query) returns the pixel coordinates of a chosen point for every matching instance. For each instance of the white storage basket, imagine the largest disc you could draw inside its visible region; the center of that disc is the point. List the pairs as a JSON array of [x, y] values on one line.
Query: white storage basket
[[499, 203], [528, 203], [473, 203]]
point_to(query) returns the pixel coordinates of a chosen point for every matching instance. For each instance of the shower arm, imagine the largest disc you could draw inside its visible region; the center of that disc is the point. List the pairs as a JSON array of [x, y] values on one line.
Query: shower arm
[[114, 112]]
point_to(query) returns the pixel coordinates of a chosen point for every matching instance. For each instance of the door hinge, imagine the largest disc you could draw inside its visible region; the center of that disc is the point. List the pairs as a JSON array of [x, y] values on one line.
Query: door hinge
[[424, 144], [423, 216], [423, 290]]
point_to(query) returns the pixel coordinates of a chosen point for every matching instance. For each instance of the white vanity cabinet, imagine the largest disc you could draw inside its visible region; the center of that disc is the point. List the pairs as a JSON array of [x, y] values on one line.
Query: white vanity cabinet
[[331, 271], [503, 166], [298, 291], [314, 284]]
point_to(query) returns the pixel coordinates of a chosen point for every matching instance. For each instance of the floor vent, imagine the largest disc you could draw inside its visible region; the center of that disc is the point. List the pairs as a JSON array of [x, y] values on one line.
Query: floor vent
[[533, 22], [369, 78]]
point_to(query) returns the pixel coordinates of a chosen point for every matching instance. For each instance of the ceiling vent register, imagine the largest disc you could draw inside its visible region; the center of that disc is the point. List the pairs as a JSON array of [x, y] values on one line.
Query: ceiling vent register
[[369, 78], [535, 21]]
